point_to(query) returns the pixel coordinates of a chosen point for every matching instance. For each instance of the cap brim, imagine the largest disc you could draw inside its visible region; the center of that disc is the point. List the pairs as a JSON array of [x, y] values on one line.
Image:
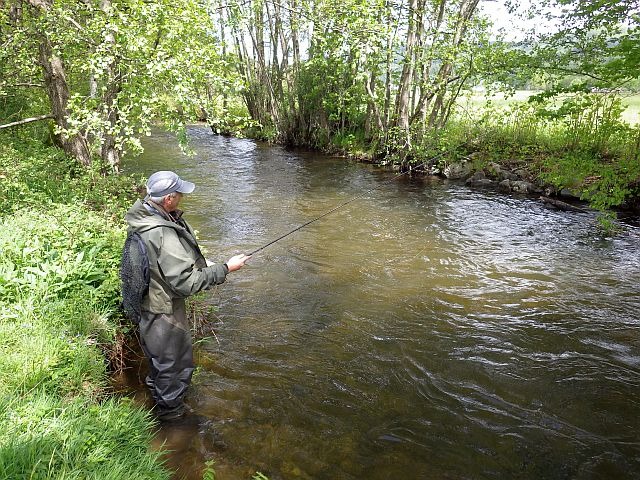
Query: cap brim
[[186, 187]]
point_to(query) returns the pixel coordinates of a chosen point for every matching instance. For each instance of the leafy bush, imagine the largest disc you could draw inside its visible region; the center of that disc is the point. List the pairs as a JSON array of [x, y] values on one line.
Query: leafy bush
[[604, 184], [60, 251], [34, 175]]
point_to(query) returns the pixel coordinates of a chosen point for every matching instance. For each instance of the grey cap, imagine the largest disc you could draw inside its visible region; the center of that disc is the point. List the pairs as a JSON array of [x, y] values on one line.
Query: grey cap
[[164, 182]]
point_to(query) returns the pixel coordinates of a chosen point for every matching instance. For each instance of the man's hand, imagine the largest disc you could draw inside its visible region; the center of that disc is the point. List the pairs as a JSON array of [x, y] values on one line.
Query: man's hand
[[237, 262]]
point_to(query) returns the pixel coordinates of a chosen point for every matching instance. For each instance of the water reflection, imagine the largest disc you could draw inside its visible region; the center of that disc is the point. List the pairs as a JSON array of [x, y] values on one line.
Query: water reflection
[[425, 331]]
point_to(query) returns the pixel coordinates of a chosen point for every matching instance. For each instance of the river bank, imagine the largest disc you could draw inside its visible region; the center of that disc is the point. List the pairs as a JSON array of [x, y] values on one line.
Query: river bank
[[60, 327], [590, 156], [59, 277]]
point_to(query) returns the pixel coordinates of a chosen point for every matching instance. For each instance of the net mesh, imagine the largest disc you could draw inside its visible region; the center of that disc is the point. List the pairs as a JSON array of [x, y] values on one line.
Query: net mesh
[[134, 276]]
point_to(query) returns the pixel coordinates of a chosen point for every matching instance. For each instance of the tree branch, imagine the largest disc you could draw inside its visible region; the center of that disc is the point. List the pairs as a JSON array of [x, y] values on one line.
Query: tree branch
[[571, 71], [26, 120], [16, 85]]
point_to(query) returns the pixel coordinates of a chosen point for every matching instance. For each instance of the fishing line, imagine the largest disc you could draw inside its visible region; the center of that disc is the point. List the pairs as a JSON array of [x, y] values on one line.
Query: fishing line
[[338, 207]]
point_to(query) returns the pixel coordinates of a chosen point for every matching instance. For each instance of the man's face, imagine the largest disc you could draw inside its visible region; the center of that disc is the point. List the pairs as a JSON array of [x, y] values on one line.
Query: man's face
[[172, 201]]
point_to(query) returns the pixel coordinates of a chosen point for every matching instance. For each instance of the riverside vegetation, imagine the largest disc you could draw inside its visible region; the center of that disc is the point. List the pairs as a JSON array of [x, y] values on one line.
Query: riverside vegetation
[[59, 323], [61, 329], [379, 80]]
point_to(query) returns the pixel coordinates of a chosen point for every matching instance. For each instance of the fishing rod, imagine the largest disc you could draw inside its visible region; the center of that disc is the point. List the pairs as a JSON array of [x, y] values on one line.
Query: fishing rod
[[300, 227]]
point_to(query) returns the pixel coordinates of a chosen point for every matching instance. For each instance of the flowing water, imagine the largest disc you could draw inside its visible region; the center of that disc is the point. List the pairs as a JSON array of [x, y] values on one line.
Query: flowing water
[[424, 331]]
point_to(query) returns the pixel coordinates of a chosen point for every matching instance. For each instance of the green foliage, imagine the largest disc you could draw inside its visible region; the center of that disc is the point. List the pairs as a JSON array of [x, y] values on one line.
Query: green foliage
[[52, 359], [233, 119], [34, 175], [58, 323], [595, 44], [591, 120], [60, 251], [54, 438], [581, 144], [126, 65], [209, 473], [603, 184]]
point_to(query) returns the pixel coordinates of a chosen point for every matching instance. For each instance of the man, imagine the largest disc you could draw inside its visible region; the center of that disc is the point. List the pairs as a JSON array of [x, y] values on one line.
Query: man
[[177, 270]]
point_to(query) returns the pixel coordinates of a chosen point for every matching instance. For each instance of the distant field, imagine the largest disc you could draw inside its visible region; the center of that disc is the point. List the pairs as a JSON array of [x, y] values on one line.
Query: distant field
[[632, 113], [474, 101]]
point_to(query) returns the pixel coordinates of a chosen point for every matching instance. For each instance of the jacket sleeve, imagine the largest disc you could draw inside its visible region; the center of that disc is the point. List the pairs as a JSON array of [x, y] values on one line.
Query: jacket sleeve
[[178, 267]]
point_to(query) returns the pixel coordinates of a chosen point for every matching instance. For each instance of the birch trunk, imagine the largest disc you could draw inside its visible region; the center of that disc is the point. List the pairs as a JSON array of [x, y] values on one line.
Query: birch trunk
[[110, 153], [439, 110], [403, 97]]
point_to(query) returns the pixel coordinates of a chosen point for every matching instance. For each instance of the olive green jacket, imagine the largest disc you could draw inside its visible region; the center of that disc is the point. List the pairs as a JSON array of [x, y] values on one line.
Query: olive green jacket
[[178, 268]]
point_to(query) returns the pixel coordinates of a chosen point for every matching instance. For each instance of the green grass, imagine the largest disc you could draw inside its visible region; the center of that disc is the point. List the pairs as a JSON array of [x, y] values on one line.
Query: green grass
[[475, 102], [631, 113], [47, 437], [59, 255], [584, 142]]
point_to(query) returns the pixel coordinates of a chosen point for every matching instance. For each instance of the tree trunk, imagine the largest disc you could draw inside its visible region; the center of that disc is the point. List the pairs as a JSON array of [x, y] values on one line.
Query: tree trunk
[[404, 88], [372, 106], [438, 111], [426, 93], [297, 119], [26, 120], [225, 101], [388, 66], [55, 82], [58, 90]]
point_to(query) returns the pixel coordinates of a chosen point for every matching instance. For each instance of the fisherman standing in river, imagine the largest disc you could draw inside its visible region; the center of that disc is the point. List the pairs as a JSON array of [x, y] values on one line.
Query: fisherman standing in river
[[176, 269]]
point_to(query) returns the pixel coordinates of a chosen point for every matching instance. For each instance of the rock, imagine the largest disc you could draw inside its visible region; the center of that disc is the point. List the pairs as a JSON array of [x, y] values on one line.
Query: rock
[[506, 175], [496, 171], [521, 173], [484, 183], [455, 171], [479, 180], [476, 176], [521, 186], [505, 185]]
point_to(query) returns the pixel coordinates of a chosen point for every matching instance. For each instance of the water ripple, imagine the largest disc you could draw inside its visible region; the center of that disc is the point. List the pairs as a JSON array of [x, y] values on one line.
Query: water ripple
[[424, 331]]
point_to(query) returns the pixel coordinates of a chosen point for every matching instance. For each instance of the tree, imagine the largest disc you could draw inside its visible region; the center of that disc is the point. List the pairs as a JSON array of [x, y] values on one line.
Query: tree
[[111, 68], [596, 44], [32, 17], [373, 69]]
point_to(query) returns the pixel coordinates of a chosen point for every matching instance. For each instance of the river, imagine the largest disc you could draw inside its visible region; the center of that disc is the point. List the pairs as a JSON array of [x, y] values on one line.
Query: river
[[423, 331]]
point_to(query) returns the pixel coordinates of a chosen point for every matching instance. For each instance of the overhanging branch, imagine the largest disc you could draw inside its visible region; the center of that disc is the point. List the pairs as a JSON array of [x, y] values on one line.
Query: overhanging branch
[[26, 120]]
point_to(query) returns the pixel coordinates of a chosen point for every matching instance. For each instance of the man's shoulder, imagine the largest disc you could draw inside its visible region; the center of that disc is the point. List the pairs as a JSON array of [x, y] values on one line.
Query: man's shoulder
[[141, 219]]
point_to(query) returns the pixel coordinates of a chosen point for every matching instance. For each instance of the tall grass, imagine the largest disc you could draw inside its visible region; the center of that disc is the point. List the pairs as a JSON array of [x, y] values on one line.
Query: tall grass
[[479, 101], [49, 437], [59, 254], [581, 142]]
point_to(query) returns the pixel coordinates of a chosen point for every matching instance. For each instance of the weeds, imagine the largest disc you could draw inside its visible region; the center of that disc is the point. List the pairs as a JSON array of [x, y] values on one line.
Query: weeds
[[59, 255], [47, 437]]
